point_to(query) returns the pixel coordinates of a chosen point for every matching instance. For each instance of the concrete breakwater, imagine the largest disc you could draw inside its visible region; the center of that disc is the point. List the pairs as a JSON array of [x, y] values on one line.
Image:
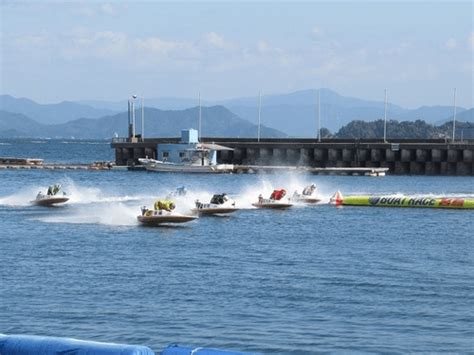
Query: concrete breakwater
[[401, 157]]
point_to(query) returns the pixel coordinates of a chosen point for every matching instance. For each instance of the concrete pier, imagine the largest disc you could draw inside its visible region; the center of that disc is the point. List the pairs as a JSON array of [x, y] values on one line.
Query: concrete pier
[[402, 157]]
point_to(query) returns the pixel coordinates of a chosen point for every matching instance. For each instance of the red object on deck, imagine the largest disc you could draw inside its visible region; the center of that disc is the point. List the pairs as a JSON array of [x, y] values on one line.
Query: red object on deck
[[278, 194]]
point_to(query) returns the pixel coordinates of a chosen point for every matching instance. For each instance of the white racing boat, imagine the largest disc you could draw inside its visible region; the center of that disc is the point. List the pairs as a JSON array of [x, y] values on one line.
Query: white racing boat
[[54, 196], [220, 204], [158, 217], [49, 200], [270, 203], [308, 195], [275, 201]]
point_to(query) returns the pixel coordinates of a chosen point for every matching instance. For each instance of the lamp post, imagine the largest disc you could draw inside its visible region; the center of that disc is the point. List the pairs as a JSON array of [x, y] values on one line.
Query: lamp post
[[259, 114], [454, 117], [385, 119], [319, 115], [132, 105]]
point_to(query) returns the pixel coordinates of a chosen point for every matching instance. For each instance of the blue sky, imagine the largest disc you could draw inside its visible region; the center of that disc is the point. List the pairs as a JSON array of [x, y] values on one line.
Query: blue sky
[[74, 50]]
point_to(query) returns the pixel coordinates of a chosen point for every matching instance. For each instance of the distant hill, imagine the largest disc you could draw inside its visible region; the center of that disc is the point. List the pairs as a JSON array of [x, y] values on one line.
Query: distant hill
[[216, 121], [406, 129], [464, 116], [50, 113], [162, 103], [296, 113], [16, 125]]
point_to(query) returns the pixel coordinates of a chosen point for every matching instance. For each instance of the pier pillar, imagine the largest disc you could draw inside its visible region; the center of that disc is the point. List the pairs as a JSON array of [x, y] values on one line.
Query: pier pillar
[[279, 156], [320, 154], [453, 155], [347, 154], [422, 155], [467, 155], [362, 155], [119, 157], [252, 156], [292, 156], [305, 157], [432, 168], [237, 156], [438, 155], [401, 168], [265, 156], [391, 155], [376, 155], [334, 154], [406, 155], [417, 168], [463, 168]]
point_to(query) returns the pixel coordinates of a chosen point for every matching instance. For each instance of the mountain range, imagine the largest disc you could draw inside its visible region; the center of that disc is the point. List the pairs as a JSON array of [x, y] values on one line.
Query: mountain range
[[293, 114], [217, 121]]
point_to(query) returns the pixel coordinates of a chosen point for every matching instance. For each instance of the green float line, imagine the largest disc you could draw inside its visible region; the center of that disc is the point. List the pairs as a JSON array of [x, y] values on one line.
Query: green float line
[[407, 201]]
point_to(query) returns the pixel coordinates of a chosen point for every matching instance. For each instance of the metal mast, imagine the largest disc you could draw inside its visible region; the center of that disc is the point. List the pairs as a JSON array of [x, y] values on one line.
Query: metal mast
[[199, 126], [259, 114], [385, 119], [319, 115], [143, 119], [454, 117]]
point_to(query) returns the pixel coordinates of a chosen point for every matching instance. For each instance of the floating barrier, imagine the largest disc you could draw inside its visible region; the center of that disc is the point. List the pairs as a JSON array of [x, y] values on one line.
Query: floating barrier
[[403, 201], [40, 345]]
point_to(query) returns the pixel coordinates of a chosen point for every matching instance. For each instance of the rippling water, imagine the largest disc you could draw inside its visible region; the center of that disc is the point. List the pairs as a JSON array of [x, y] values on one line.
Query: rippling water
[[307, 279]]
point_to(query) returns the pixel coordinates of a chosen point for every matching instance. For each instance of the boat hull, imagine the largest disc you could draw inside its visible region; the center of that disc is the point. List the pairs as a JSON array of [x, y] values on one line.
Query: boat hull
[[164, 219], [165, 167], [50, 201], [215, 210], [306, 199], [275, 205]]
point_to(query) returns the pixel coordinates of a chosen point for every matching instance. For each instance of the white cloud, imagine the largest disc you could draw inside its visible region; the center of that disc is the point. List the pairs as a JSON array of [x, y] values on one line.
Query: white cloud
[[109, 9], [215, 40], [263, 47], [470, 41], [159, 47], [451, 43], [317, 32]]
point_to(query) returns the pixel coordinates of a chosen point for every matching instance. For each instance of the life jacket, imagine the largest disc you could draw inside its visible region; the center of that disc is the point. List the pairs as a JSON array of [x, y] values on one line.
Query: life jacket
[[278, 194], [166, 205]]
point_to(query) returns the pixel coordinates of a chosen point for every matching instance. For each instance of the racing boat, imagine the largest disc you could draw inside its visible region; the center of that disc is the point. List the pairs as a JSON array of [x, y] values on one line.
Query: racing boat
[[158, 217], [49, 200], [219, 204], [307, 196], [52, 197], [275, 201], [269, 203]]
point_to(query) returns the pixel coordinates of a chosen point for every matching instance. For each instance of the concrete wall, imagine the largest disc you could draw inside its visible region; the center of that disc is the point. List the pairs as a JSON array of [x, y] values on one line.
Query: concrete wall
[[405, 158]]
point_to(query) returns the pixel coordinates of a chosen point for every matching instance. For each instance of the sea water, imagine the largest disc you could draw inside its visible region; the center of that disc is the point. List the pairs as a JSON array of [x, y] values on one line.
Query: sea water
[[308, 279]]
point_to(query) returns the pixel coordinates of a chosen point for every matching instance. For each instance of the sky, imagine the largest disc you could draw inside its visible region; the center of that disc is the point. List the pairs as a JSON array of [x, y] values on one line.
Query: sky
[[79, 50]]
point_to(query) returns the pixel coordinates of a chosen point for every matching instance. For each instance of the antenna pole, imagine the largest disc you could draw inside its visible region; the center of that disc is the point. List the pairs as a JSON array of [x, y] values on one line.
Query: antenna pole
[[385, 119], [133, 117], [454, 117], [259, 114], [199, 127], [143, 119], [319, 115]]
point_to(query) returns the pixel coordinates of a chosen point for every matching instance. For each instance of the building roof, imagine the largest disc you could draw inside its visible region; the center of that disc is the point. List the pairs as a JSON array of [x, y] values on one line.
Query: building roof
[[213, 146]]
